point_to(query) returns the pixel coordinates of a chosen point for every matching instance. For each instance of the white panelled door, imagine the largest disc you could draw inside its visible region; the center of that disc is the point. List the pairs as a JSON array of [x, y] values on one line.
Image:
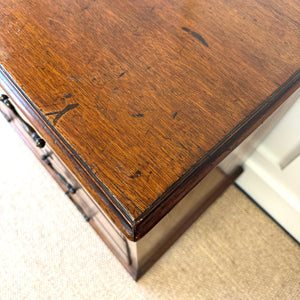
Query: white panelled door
[[272, 172]]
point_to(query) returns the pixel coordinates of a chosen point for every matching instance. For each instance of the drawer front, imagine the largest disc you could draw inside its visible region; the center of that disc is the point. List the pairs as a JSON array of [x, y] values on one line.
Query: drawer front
[[84, 203], [73, 189]]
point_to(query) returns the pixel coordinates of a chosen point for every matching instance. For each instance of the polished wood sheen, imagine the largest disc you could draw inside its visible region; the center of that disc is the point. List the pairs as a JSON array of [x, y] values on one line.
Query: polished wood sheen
[[144, 98]]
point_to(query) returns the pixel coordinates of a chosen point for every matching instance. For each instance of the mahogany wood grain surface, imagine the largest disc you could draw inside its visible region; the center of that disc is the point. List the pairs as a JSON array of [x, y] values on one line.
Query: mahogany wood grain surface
[[146, 97]]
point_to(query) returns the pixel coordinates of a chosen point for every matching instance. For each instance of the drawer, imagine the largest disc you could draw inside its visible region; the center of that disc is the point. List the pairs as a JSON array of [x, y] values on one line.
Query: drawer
[[71, 186], [84, 203]]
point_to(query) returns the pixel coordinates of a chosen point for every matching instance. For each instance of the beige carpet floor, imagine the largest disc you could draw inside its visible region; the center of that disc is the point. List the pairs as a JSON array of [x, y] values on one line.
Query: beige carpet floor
[[47, 251]]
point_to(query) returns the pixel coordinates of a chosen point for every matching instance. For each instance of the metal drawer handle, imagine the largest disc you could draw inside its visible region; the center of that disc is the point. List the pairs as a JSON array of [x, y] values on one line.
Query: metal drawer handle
[[39, 142], [62, 179], [70, 188], [86, 217]]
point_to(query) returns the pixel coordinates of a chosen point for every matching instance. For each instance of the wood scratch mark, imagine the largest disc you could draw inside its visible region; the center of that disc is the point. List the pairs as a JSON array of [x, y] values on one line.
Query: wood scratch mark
[[174, 116], [183, 146], [59, 114], [122, 74], [122, 168], [138, 115], [138, 173], [52, 113], [196, 35], [67, 95], [72, 77]]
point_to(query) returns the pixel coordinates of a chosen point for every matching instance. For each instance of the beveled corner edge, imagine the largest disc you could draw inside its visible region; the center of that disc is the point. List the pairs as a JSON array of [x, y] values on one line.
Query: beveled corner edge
[[202, 167]]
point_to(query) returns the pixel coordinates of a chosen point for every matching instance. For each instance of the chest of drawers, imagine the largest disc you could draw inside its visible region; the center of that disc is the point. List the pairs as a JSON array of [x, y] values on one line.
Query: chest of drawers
[[132, 106]]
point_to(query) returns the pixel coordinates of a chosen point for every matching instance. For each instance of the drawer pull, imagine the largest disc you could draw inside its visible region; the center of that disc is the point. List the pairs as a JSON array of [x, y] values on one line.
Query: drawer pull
[[86, 217], [62, 179], [39, 142], [70, 188]]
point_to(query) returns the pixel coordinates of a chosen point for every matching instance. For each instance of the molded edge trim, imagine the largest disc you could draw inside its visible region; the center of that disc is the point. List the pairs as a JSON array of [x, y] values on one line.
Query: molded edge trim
[[178, 190]]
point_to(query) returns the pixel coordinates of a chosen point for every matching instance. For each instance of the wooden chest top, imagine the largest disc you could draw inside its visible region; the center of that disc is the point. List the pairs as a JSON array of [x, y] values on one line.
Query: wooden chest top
[[146, 97]]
